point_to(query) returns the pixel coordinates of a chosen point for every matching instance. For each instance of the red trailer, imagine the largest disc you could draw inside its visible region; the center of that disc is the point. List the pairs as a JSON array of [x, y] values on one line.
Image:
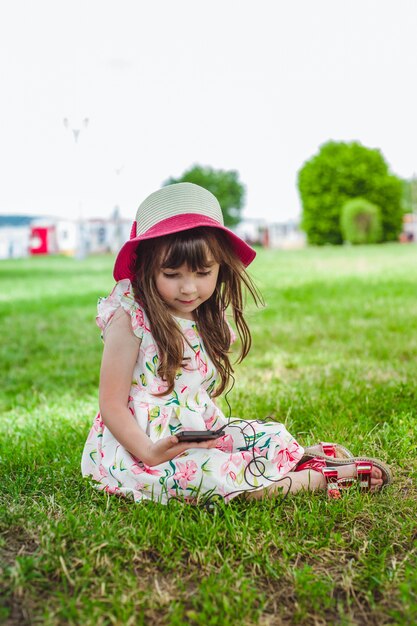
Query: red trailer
[[42, 240]]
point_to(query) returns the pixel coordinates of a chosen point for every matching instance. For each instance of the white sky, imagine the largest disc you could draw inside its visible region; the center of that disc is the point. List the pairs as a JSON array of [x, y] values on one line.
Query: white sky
[[255, 86]]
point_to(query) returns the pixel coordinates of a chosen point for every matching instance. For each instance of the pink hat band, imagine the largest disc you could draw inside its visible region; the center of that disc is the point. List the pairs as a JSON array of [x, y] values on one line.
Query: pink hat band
[[179, 207]]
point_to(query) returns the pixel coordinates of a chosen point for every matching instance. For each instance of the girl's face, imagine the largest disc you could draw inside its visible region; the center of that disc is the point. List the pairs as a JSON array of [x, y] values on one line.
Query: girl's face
[[183, 290]]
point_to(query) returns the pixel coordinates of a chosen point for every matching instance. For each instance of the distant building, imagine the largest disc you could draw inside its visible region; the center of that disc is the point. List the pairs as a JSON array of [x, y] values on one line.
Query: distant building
[[67, 237], [409, 233], [15, 236], [107, 235], [271, 235], [22, 236], [286, 235], [42, 239], [14, 241], [252, 230]]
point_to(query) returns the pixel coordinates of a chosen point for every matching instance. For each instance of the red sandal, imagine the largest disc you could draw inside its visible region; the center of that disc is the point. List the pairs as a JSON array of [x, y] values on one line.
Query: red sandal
[[335, 485], [334, 450]]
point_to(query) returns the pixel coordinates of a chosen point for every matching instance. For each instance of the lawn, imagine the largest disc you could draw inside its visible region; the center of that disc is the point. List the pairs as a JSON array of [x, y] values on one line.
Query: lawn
[[334, 356]]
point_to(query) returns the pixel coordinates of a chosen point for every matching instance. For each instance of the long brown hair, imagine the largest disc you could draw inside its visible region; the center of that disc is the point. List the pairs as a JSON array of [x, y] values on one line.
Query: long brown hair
[[193, 247]]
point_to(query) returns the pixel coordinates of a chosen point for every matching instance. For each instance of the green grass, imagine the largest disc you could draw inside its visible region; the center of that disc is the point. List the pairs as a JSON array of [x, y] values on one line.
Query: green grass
[[334, 356]]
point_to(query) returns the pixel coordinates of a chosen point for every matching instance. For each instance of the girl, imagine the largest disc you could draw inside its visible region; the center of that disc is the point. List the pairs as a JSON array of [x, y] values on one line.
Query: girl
[[166, 359]]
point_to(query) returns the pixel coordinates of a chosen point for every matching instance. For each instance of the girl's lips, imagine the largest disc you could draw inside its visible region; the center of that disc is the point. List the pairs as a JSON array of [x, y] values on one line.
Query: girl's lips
[[187, 301]]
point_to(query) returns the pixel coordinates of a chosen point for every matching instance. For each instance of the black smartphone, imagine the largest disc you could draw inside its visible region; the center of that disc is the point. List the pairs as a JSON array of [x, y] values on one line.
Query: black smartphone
[[199, 435]]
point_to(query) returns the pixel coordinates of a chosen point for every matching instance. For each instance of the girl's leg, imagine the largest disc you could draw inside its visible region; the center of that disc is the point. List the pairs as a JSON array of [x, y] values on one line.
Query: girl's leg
[[309, 480], [306, 480]]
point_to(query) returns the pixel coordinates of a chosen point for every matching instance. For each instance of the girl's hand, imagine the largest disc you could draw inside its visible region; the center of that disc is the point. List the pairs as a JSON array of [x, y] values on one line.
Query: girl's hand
[[167, 448]]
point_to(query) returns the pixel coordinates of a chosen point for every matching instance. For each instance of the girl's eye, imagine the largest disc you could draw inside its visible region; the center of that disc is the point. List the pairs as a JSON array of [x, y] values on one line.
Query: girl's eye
[[204, 273], [170, 275]]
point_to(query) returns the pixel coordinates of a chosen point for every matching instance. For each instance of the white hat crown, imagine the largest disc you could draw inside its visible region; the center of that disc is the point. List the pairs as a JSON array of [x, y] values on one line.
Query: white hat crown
[[176, 199]]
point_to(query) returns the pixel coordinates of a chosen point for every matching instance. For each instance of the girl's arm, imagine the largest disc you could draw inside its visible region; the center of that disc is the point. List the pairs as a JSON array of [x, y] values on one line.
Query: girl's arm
[[121, 349]]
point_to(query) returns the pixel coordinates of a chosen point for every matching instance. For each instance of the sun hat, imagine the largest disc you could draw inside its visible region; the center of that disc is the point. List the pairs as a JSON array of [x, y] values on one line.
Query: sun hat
[[173, 209]]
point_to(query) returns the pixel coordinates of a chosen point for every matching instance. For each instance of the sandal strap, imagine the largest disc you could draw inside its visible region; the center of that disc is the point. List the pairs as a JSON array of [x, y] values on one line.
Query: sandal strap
[[336, 485], [329, 449], [363, 478], [364, 470], [317, 464]]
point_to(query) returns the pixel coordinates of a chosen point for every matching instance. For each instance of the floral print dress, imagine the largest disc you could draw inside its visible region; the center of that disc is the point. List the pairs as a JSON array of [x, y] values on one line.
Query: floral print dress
[[250, 455]]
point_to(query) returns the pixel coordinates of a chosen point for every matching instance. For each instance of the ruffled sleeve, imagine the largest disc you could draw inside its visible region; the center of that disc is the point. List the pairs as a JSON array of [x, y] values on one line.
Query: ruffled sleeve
[[122, 296]]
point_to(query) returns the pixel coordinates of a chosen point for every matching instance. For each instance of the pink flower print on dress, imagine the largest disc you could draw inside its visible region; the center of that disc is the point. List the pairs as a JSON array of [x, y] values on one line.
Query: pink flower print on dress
[[136, 469], [285, 458], [98, 423], [102, 470], [225, 443], [144, 469], [225, 493], [249, 455], [138, 320], [201, 364], [160, 422], [149, 351], [185, 472], [130, 404], [234, 461], [209, 422], [188, 499], [111, 489], [237, 458], [158, 386], [189, 335]]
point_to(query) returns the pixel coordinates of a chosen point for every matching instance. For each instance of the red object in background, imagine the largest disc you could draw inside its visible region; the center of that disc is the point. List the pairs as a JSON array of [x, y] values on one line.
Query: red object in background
[[42, 240]]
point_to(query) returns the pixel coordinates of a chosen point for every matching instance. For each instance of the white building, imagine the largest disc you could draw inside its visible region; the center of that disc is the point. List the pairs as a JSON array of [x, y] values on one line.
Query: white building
[[67, 237], [107, 235], [19, 234], [286, 235], [409, 233], [14, 241], [283, 235]]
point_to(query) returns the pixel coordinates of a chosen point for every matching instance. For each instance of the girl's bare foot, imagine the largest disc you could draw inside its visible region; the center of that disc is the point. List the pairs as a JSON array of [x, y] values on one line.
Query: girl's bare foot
[[347, 471]]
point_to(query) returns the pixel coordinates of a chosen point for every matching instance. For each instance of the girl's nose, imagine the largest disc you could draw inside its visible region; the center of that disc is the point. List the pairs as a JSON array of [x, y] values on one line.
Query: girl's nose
[[188, 287]]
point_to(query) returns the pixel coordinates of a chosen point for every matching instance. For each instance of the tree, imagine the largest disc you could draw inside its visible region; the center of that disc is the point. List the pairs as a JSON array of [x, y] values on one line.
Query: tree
[[360, 221], [410, 195], [342, 171], [224, 184]]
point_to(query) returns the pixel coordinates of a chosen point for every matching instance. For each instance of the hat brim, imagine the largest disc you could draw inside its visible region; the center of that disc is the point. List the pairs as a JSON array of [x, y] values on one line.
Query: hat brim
[[123, 267]]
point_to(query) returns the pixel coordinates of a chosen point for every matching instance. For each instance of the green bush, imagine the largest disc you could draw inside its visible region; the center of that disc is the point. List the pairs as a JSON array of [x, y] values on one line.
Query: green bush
[[360, 221], [224, 184], [340, 172]]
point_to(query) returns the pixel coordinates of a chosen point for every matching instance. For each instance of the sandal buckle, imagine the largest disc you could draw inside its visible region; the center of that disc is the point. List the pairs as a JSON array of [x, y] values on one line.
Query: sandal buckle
[[331, 476], [364, 470]]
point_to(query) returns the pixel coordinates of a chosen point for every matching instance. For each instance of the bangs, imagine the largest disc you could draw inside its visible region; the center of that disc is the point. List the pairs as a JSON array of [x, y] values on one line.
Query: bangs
[[197, 248]]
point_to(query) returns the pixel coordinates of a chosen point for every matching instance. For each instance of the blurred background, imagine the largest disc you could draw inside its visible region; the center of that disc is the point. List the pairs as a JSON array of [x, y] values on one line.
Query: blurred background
[[287, 111]]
